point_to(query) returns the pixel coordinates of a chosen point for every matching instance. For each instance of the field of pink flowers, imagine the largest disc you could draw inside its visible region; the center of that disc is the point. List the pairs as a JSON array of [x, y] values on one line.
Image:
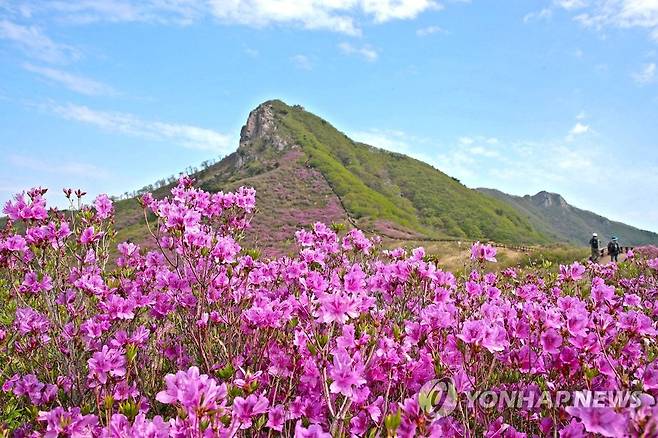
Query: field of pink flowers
[[201, 338]]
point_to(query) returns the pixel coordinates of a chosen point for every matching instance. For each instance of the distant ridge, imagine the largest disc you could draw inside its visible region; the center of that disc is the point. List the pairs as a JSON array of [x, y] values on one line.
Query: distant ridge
[[551, 214]]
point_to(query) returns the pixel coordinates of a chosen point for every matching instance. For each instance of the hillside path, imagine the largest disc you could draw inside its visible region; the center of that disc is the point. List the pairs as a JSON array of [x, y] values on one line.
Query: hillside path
[[606, 258]]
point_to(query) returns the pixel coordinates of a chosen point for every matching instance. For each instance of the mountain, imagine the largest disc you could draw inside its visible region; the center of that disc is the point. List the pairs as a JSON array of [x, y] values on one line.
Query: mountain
[[305, 170], [551, 215]]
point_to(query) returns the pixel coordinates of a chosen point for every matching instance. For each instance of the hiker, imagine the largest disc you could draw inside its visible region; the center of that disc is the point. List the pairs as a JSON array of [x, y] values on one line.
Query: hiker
[[614, 249], [594, 244]]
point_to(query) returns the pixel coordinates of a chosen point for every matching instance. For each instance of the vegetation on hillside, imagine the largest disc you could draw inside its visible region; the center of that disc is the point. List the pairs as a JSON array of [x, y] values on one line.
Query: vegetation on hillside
[[378, 184]]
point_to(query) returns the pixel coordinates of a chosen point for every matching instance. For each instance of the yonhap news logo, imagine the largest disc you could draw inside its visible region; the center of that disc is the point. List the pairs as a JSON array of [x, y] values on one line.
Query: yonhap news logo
[[438, 398]]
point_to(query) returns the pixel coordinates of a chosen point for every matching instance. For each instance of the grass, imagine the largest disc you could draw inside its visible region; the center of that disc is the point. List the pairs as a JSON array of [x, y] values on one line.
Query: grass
[[455, 256], [557, 254]]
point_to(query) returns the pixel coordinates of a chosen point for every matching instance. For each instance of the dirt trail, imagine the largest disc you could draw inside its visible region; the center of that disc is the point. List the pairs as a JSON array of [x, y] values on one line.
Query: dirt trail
[[606, 259]]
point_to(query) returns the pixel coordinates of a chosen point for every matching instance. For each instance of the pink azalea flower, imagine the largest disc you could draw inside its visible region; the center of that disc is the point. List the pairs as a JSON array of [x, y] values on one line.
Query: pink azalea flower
[[313, 431], [483, 252], [473, 332], [88, 236], [118, 307], [269, 324], [107, 362], [577, 322], [16, 243], [69, 422], [35, 208], [347, 374], [650, 376], [574, 429], [354, 279], [103, 206], [604, 421], [29, 320], [32, 284], [276, 418], [244, 410], [573, 272], [601, 292], [193, 391], [551, 341], [337, 307], [653, 263], [632, 300], [140, 428]]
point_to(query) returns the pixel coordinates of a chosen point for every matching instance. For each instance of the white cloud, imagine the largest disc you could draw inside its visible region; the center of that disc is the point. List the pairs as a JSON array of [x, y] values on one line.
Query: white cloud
[[180, 12], [394, 141], [366, 51], [343, 16], [478, 139], [579, 129], [571, 4], [386, 10], [391, 140], [189, 136], [68, 168], [543, 14], [620, 14], [310, 15], [602, 14], [302, 62], [547, 12], [79, 84], [35, 43], [335, 15], [458, 164], [429, 30], [522, 167], [252, 53], [646, 75], [485, 152]]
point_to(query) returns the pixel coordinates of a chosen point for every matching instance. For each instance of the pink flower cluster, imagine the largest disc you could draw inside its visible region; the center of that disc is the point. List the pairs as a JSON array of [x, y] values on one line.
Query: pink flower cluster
[[200, 337], [480, 252]]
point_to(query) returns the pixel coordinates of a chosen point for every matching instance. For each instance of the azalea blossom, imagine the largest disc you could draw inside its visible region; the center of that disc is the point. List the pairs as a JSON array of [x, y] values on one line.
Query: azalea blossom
[[483, 252], [244, 410], [105, 363]]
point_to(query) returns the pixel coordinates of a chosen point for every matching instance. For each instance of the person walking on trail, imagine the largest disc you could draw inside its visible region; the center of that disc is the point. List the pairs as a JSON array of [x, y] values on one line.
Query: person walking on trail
[[594, 245], [614, 249]]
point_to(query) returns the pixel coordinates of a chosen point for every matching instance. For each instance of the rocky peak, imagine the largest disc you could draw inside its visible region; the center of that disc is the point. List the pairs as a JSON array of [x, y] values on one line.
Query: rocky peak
[[547, 199], [260, 123], [261, 130]]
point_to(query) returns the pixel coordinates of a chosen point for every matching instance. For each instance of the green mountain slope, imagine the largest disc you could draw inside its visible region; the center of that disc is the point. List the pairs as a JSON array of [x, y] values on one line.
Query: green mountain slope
[[379, 187], [553, 216]]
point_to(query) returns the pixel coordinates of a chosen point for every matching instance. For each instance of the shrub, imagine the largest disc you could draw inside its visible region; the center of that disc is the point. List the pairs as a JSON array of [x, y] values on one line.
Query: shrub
[[199, 338]]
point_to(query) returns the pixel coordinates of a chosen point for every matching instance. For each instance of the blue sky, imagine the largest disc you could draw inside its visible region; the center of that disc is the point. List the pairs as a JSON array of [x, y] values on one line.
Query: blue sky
[[517, 95]]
